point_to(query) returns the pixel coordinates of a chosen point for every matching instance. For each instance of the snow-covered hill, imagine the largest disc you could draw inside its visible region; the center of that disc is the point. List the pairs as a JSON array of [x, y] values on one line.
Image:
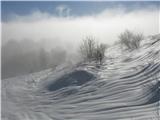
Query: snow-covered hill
[[125, 87]]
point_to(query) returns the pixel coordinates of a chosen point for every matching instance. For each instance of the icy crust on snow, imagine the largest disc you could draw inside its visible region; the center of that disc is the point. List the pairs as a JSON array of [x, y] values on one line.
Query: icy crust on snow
[[125, 87]]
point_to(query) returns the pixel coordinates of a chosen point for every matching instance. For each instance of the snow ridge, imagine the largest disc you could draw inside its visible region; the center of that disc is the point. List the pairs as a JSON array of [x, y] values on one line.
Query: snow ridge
[[125, 87]]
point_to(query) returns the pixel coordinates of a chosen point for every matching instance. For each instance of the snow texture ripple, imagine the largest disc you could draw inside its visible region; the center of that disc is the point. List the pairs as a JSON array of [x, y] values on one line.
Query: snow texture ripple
[[125, 87]]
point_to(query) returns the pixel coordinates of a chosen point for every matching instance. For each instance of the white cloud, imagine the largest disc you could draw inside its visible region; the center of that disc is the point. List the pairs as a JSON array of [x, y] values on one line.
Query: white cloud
[[63, 10], [68, 32]]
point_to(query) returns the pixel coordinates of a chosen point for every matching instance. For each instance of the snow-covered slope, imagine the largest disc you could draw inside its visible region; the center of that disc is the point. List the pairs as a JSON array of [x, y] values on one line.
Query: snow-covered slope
[[125, 87]]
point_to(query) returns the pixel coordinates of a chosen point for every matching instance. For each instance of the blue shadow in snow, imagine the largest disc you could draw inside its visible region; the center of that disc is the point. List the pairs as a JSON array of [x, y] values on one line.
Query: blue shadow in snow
[[75, 78]]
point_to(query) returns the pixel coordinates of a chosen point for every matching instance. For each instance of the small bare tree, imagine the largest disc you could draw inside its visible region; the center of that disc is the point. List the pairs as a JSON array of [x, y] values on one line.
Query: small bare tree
[[131, 40]]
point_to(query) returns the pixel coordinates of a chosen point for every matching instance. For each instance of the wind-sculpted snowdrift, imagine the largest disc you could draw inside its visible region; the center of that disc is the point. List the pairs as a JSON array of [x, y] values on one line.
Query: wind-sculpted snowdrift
[[125, 87]]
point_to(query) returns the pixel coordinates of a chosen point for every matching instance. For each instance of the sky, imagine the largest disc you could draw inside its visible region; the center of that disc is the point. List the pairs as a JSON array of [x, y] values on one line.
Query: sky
[[67, 23]]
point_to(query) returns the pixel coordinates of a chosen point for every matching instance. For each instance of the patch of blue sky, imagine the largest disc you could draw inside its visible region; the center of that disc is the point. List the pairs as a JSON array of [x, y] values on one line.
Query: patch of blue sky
[[74, 8]]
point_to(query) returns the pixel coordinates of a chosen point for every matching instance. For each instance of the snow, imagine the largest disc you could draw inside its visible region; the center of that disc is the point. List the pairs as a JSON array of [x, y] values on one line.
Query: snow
[[125, 87]]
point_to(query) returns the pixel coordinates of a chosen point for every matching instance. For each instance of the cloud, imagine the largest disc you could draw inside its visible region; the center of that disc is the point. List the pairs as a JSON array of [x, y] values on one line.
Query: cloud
[[68, 32], [63, 10]]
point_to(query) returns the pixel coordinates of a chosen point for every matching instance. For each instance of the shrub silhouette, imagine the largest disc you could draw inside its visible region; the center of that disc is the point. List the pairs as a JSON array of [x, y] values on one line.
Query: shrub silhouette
[[87, 48], [92, 50], [131, 40], [99, 53]]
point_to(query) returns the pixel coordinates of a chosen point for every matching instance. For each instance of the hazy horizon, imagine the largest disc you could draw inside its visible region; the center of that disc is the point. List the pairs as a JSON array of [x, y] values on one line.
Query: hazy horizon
[[66, 23]]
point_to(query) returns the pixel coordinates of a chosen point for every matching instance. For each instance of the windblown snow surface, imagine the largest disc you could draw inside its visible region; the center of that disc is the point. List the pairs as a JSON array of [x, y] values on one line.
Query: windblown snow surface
[[125, 87]]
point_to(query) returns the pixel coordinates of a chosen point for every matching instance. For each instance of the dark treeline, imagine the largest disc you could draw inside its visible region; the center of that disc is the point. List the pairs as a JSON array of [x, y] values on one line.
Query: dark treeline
[[26, 56]]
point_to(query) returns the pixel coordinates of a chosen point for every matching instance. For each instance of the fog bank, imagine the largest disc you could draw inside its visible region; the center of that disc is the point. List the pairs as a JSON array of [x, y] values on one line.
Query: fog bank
[[106, 26]]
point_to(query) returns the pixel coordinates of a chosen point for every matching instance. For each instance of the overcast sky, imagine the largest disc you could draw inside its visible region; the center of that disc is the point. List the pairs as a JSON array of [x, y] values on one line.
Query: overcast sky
[[66, 23]]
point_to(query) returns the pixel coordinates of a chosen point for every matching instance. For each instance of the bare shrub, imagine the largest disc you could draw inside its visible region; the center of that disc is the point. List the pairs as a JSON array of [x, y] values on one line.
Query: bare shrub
[[87, 48], [92, 50], [131, 40], [99, 53]]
